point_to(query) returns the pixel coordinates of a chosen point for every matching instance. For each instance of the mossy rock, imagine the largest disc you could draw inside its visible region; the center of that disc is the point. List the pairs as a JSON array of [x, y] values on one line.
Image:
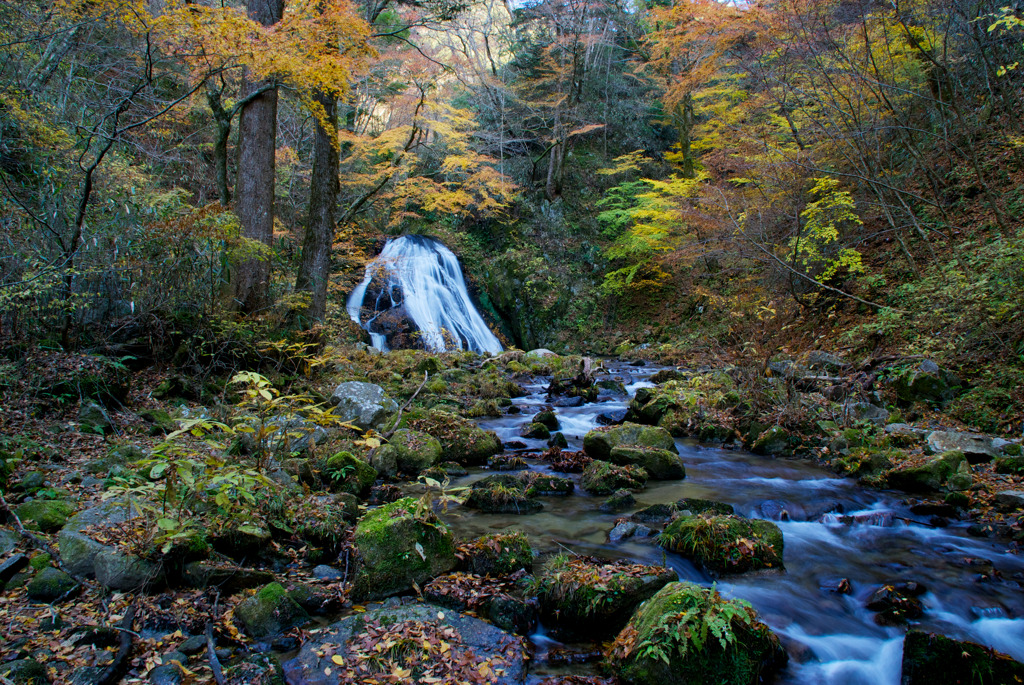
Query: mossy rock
[[929, 476], [498, 554], [620, 500], [44, 515], [25, 672], [604, 478], [600, 442], [660, 464], [656, 647], [548, 418], [269, 612], [94, 419], [929, 658], [773, 441], [160, 421], [540, 484], [461, 440], [242, 540], [725, 544], [695, 506], [95, 378], [344, 472], [587, 597], [926, 382], [323, 524], [866, 461], [1010, 465], [49, 585], [397, 548], [502, 494], [535, 431], [115, 461], [411, 452]]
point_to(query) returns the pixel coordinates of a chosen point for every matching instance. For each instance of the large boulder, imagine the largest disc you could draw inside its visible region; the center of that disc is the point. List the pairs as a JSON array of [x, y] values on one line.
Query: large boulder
[[286, 434], [725, 544], [600, 442], [449, 647], [929, 658], [270, 611], [407, 451], [501, 600], [659, 646], [84, 556], [660, 464], [362, 404], [399, 545], [930, 475], [587, 597], [49, 585], [977, 448], [926, 382], [461, 440]]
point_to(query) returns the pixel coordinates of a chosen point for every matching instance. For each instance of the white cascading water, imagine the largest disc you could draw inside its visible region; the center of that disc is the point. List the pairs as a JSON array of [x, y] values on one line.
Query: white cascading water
[[424, 277]]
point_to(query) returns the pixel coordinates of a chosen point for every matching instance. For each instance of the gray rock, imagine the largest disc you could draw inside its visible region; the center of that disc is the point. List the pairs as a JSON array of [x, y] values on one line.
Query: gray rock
[[825, 361], [193, 645], [568, 402], [904, 429], [1009, 500], [119, 571], [25, 672], [8, 540], [12, 566], [926, 383], [474, 642], [77, 550], [863, 411], [291, 435], [977, 448], [324, 572], [93, 418], [168, 674], [363, 404], [541, 352]]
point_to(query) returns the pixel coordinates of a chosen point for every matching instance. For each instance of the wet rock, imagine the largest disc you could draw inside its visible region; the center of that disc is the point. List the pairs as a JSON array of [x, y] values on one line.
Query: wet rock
[[93, 418], [535, 431], [693, 506], [894, 605], [930, 658], [725, 544], [611, 418], [660, 464], [774, 510], [773, 441], [547, 418], [658, 514], [193, 645], [625, 529], [977, 448], [472, 642], [839, 586], [620, 500], [167, 674], [569, 402], [666, 375], [497, 599], [44, 515], [607, 386], [583, 596], [497, 554], [926, 382], [399, 546], [600, 442], [410, 451], [502, 494], [269, 612], [384, 493], [541, 485], [49, 585], [558, 440], [604, 478], [755, 654], [929, 476], [934, 509], [324, 572], [363, 404]]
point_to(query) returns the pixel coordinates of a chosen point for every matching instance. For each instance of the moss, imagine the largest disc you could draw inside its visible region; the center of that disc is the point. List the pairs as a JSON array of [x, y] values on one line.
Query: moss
[[269, 612], [600, 442], [604, 478], [725, 544], [536, 431], [929, 476], [347, 473], [47, 516], [399, 546], [461, 440], [584, 596], [671, 640], [930, 658], [41, 561], [502, 494], [660, 464], [49, 585], [498, 554]]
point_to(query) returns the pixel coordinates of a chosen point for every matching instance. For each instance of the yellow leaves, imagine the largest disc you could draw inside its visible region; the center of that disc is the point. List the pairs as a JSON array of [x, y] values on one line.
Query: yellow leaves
[[338, 659]]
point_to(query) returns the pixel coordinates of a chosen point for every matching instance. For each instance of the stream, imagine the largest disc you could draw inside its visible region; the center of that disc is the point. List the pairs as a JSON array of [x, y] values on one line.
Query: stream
[[834, 529]]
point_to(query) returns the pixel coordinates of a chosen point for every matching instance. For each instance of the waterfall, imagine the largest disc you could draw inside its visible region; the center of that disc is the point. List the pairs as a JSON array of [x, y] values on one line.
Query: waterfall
[[414, 295]]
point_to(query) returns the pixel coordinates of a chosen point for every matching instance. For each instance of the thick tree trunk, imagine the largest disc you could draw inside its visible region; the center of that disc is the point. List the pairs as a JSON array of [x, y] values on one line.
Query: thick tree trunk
[[257, 140], [315, 266]]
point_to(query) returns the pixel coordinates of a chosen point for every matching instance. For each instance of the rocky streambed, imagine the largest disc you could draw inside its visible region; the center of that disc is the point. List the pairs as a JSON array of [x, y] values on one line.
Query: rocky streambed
[[860, 565]]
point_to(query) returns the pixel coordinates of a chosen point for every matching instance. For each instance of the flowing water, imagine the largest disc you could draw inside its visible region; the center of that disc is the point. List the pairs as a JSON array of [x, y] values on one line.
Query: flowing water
[[832, 529], [417, 280]]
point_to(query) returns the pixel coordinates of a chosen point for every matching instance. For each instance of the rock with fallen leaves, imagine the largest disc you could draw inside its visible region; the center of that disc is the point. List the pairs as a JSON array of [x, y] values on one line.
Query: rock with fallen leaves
[[407, 641], [400, 545]]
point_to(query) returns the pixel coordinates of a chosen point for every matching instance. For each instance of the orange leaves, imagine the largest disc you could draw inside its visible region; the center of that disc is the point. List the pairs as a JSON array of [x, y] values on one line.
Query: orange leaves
[[317, 45]]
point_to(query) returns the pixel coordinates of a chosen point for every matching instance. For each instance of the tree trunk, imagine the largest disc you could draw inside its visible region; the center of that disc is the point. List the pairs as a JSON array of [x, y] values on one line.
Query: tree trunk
[[315, 266], [257, 141], [220, 149]]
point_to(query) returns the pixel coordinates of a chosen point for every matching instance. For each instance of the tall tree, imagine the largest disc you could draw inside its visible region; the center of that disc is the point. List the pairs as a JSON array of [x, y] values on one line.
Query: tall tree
[[257, 142]]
